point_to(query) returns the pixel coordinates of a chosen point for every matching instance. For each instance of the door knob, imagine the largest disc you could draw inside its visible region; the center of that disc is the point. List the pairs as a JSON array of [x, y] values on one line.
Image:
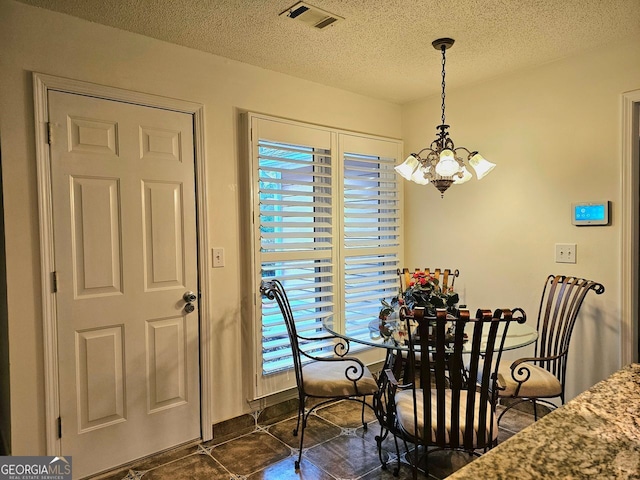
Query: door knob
[[189, 297], [188, 308]]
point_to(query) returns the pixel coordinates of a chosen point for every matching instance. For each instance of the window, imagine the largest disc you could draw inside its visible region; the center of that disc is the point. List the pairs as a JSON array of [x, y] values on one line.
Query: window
[[326, 223]]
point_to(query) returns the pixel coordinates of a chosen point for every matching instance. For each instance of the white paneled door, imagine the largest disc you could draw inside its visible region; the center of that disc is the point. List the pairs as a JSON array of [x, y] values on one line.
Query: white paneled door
[[125, 253]]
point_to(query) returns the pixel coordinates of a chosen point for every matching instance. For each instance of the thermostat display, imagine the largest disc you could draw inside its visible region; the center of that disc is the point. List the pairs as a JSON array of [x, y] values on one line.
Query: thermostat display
[[590, 213]]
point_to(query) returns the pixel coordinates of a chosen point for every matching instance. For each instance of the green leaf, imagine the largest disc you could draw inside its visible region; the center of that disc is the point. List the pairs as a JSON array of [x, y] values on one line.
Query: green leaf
[[453, 299]]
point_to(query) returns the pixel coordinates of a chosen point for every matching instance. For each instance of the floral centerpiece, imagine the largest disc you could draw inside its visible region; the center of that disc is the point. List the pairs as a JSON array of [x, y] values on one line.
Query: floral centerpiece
[[423, 291]]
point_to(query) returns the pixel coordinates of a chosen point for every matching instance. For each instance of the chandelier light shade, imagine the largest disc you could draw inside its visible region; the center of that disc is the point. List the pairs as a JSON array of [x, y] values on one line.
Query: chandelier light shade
[[442, 163]]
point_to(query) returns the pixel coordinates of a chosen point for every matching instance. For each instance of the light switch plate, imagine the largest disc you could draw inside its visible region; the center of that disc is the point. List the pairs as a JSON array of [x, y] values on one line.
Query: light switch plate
[[566, 253], [218, 257]]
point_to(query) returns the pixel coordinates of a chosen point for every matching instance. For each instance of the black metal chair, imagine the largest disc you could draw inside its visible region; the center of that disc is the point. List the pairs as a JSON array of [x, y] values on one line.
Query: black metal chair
[[542, 377], [328, 378], [443, 408], [445, 278], [442, 275]]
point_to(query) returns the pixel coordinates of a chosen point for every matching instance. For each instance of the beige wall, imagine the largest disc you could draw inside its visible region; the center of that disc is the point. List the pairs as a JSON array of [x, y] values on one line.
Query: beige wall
[[554, 132], [33, 39]]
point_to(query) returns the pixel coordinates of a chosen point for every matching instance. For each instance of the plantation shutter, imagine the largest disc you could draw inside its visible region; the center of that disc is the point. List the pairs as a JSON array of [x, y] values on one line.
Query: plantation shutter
[[326, 223], [371, 231], [296, 234]]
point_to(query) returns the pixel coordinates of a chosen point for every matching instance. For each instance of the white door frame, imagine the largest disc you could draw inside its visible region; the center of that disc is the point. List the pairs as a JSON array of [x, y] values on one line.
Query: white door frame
[[42, 83], [630, 253]]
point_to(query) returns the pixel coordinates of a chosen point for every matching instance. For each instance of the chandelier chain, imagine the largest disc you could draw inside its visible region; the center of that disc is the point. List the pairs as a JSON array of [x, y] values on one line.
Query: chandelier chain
[[443, 82]]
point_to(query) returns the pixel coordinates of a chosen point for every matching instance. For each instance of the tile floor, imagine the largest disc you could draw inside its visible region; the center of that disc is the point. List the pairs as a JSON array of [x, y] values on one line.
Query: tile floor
[[336, 448]]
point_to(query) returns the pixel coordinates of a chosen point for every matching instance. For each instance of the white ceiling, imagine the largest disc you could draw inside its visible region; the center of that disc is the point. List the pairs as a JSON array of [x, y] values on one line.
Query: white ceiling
[[383, 47]]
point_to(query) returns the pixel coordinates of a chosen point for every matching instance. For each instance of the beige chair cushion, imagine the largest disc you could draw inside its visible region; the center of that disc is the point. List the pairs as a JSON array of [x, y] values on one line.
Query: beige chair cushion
[[329, 379], [405, 355], [404, 409], [541, 383]]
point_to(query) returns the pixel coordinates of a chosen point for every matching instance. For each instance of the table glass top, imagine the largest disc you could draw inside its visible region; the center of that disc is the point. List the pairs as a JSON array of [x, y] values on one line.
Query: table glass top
[[518, 335]]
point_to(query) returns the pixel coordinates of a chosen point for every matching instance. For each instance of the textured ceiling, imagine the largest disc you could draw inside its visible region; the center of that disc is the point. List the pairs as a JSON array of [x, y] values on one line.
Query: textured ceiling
[[383, 47]]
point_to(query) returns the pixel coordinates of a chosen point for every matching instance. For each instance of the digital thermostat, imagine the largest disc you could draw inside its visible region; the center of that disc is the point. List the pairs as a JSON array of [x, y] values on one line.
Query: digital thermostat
[[590, 213]]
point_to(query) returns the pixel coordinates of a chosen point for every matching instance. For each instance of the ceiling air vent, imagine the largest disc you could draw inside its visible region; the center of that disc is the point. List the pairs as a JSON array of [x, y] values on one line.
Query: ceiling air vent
[[312, 16]]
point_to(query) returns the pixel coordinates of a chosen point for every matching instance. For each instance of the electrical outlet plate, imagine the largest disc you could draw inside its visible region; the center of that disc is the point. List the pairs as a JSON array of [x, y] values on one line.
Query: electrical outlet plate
[[566, 253]]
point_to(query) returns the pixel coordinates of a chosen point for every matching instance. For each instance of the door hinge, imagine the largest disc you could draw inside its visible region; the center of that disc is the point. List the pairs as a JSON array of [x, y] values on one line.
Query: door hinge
[[54, 282], [59, 427], [49, 133]]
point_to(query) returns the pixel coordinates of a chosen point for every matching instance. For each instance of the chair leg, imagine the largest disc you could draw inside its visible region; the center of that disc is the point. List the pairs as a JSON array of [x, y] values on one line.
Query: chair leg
[[304, 424], [396, 472], [517, 402], [379, 439], [534, 401], [301, 418], [364, 424], [301, 403]]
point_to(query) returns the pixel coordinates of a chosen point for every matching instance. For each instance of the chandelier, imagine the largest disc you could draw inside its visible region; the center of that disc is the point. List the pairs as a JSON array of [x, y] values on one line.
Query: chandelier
[[441, 163]]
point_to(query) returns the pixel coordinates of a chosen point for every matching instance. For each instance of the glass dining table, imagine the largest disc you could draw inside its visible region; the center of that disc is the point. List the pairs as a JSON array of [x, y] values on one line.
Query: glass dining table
[[383, 335]]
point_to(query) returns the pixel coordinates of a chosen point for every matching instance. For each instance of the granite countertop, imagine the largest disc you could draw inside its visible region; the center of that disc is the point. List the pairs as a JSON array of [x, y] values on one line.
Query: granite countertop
[[596, 435]]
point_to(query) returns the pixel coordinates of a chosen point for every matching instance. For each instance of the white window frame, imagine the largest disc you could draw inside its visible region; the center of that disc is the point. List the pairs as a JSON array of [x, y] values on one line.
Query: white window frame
[[338, 142]]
